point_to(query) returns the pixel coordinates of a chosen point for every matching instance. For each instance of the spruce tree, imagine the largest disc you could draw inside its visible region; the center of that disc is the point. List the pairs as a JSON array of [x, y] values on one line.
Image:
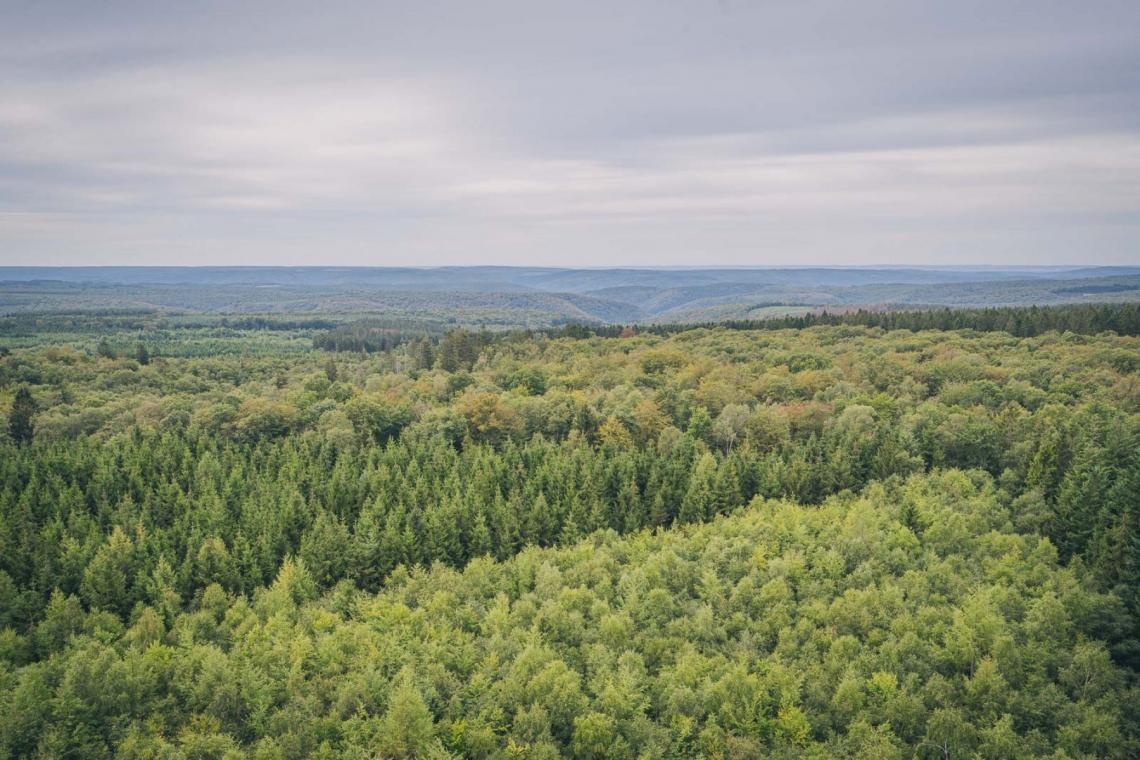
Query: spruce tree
[[20, 419]]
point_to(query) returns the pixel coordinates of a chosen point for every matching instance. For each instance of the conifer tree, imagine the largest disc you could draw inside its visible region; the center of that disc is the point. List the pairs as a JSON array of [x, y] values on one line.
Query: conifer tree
[[21, 418], [408, 729]]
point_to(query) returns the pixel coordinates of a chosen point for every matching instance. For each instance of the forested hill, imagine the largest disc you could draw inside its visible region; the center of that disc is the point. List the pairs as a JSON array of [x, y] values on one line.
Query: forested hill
[[538, 298], [836, 540]]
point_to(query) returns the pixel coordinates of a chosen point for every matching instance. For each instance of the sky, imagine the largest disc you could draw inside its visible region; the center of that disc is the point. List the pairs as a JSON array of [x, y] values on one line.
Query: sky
[[576, 134]]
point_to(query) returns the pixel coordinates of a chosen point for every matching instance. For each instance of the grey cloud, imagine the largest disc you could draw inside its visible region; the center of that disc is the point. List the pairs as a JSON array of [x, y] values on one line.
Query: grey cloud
[[587, 133]]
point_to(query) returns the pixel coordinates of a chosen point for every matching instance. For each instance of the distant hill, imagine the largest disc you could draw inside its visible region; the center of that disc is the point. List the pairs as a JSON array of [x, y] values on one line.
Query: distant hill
[[539, 297]]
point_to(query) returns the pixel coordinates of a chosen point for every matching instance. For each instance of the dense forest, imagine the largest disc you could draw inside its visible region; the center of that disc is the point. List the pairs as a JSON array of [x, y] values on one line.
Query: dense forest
[[903, 534], [372, 335], [1020, 321]]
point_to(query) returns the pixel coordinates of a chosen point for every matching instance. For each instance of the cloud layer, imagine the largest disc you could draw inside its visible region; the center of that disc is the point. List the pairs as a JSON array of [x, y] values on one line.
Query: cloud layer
[[592, 134]]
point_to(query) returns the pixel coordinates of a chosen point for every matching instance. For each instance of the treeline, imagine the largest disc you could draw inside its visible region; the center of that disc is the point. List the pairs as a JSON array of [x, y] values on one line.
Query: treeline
[[453, 349], [23, 324], [1019, 321], [371, 336], [277, 323], [147, 320]]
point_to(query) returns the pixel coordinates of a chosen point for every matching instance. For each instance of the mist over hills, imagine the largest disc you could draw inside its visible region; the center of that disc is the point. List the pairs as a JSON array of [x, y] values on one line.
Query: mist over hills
[[540, 296]]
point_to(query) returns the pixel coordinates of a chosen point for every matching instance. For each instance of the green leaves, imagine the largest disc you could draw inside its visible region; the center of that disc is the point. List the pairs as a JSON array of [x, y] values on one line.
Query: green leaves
[[527, 557]]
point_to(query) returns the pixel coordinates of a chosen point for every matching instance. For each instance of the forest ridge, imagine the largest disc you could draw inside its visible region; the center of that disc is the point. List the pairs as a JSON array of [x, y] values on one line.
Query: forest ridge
[[543, 297]]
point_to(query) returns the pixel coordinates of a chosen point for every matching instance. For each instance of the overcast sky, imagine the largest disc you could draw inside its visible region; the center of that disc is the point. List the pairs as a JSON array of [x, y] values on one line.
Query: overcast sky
[[575, 133]]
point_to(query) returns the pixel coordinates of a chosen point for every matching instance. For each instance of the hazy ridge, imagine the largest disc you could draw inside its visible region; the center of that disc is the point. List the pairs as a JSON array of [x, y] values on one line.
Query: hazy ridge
[[534, 296]]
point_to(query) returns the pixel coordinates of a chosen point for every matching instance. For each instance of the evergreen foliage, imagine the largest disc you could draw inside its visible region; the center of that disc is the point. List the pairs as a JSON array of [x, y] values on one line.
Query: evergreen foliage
[[20, 424], [834, 541]]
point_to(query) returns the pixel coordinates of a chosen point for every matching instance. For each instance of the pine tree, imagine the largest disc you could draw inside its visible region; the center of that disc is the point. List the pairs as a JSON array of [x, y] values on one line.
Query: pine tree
[[631, 508], [21, 424], [424, 354], [105, 581], [479, 542], [103, 349], [159, 590], [324, 547], [407, 726], [698, 503], [726, 489]]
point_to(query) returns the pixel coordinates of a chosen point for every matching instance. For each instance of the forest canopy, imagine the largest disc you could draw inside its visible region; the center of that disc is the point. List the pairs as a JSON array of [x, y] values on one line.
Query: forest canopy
[[859, 536]]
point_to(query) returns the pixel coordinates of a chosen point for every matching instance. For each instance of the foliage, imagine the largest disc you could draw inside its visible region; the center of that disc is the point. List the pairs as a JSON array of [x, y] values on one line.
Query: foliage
[[20, 425], [1021, 321], [830, 541], [784, 630]]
